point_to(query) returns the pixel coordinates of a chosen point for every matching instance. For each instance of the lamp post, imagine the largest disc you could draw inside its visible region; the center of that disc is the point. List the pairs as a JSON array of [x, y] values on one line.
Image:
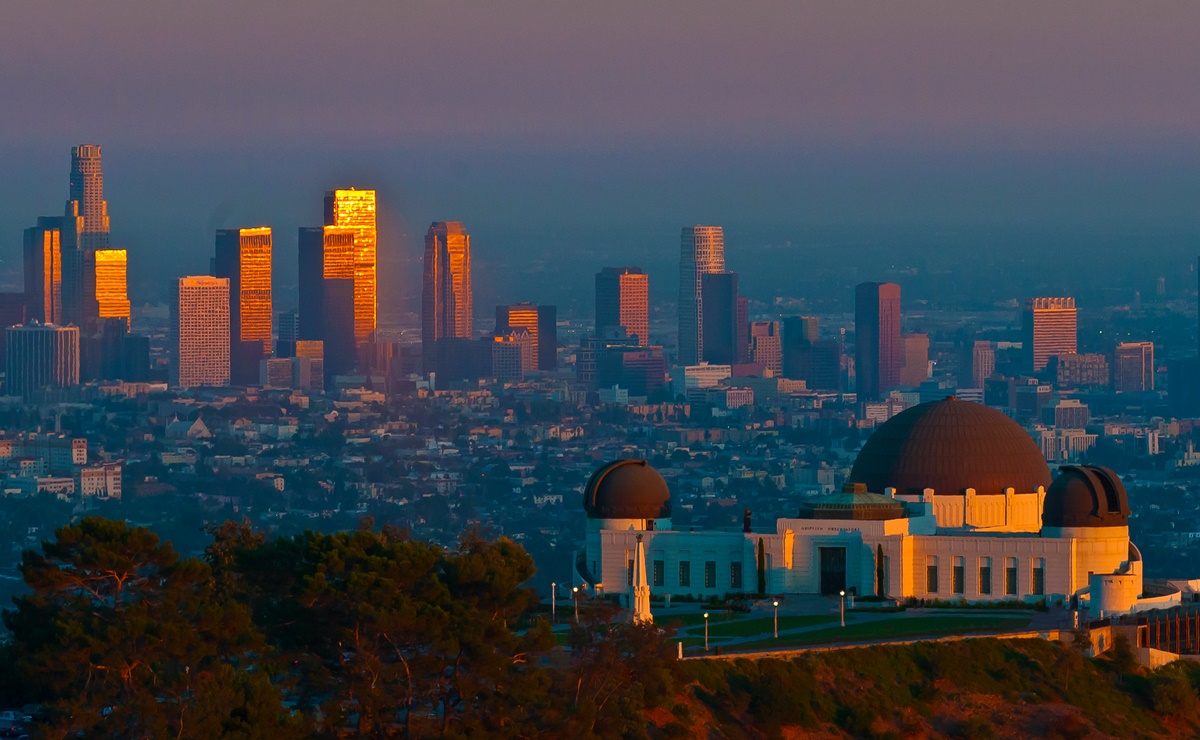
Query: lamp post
[[575, 598], [553, 612], [843, 610], [776, 604], [706, 632]]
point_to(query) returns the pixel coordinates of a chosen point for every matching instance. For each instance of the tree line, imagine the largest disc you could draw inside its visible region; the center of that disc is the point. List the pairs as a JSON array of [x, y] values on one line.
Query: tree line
[[365, 633]]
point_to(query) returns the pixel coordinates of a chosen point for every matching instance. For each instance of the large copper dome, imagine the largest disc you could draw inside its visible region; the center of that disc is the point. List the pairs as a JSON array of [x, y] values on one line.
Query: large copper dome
[[950, 446], [627, 489]]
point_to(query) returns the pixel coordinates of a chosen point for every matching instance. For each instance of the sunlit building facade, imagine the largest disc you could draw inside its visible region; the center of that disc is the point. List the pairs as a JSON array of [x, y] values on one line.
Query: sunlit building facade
[[1049, 330], [43, 270], [86, 208], [702, 251], [879, 350], [1133, 367], [355, 209], [327, 268], [542, 324], [112, 284], [623, 301], [243, 256], [200, 332], [447, 305]]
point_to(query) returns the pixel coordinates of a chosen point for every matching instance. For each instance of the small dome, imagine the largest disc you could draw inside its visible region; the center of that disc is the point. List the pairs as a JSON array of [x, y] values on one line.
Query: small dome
[[950, 446], [627, 489], [1086, 496]]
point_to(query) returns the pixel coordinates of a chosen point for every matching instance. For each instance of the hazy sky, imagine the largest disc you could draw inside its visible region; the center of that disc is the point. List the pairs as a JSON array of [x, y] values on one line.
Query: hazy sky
[[583, 133]]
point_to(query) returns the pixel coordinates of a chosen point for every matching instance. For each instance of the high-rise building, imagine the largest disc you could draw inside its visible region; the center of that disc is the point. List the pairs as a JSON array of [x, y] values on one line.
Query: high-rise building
[[43, 270], [878, 350], [243, 256], [511, 355], [720, 335], [801, 329], [87, 211], [766, 346], [623, 300], [446, 299], [542, 324], [915, 367], [1133, 367], [1078, 370], [1049, 329], [40, 356], [976, 363], [112, 285], [287, 326], [327, 265], [355, 209], [200, 332], [702, 251]]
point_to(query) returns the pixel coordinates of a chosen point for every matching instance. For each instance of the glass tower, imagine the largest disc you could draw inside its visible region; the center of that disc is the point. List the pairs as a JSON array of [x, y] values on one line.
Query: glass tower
[[355, 209]]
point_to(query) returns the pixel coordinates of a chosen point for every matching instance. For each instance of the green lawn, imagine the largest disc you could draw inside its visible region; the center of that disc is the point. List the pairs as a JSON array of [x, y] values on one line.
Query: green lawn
[[765, 625], [665, 617], [897, 628]]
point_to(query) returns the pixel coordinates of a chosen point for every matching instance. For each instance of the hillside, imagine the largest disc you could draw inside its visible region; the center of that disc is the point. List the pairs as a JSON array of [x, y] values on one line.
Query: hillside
[[970, 689]]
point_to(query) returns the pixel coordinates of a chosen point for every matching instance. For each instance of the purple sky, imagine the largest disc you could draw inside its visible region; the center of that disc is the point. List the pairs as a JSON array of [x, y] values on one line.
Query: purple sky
[[621, 115]]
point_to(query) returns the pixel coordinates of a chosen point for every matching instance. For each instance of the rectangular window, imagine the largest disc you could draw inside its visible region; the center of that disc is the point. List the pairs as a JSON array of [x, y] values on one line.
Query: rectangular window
[[1039, 576], [1010, 576], [985, 576], [710, 574], [629, 572], [958, 576], [735, 575], [685, 573], [659, 572], [931, 574]]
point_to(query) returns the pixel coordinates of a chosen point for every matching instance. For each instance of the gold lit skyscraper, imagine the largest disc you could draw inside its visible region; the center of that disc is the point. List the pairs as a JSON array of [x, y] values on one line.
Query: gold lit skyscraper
[[702, 251], [1049, 330], [447, 306], [623, 301], [355, 209], [244, 257], [43, 271], [327, 262], [112, 287], [86, 209]]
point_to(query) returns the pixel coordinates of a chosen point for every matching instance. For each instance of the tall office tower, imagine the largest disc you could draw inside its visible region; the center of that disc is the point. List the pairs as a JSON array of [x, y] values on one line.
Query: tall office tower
[[623, 300], [40, 356], [702, 251], [287, 326], [200, 332], [766, 346], [914, 369], [87, 211], [327, 264], [112, 285], [801, 329], [719, 319], [355, 209], [542, 324], [976, 363], [878, 349], [243, 256], [446, 298], [43, 270], [1133, 367], [12, 313], [1048, 329]]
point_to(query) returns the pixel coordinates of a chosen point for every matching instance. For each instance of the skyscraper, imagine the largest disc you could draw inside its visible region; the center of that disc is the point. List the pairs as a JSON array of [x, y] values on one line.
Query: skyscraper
[[446, 298], [1049, 330], [542, 324], [200, 332], [355, 209], [976, 364], [243, 256], [327, 265], [43, 270], [719, 319], [40, 356], [766, 346], [914, 369], [878, 348], [623, 300], [86, 209], [112, 285], [1133, 367], [702, 251]]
